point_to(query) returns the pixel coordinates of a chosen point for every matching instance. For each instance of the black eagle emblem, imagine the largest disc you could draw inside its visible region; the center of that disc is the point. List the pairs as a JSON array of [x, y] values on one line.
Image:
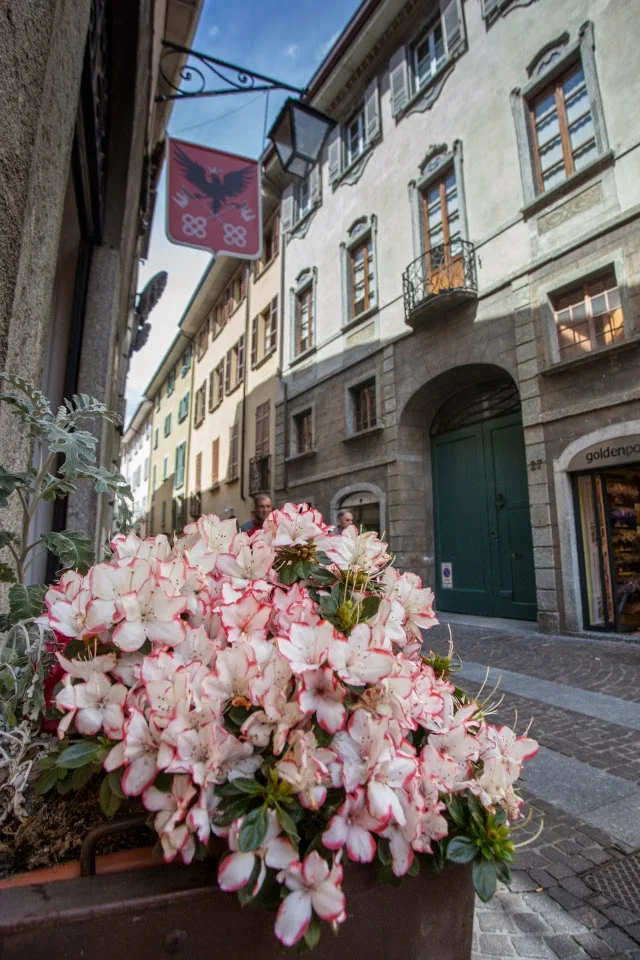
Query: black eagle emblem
[[210, 186]]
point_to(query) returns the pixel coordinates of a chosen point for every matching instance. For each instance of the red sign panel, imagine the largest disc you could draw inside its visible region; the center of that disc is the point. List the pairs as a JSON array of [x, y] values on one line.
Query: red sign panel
[[213, 201]]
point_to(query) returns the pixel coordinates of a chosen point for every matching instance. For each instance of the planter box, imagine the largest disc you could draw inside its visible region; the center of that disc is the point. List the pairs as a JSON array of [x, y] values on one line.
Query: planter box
[[177, 911]]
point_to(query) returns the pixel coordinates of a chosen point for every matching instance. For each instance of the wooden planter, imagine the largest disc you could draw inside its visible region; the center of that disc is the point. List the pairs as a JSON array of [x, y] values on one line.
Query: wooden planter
[[152, 913]]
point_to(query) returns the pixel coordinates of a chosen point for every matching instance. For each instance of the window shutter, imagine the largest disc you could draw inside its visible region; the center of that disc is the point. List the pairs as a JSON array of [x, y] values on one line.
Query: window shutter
[[372, 111], [315, 185], [220, 381], [198, 472], [254, 341], [227, 376], [399, 81], [286, 218], [273, 324], [453, 25], [335, 154], [215, 460], [211, 397], [240, 377], [488, 7]]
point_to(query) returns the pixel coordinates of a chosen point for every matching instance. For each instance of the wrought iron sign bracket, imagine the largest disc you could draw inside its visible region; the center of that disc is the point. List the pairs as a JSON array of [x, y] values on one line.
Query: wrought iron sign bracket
[[201, 70]]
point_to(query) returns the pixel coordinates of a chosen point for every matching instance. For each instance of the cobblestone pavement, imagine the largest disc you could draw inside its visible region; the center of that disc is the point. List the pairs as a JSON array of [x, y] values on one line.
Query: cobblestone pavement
[[576, 890]]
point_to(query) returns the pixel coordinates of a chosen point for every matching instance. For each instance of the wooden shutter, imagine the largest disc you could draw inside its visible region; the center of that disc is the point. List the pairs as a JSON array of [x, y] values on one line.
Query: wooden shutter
[[273, 324], [198, 472], [315, 185], [240, 372], [453, 25], [262, 429], [399, 80], [233, 452], [335, 154], [287, 208], [215, 461], [372, 111], [211, 385], [489, 7], [220, 382], [254, 341], [227, 376]]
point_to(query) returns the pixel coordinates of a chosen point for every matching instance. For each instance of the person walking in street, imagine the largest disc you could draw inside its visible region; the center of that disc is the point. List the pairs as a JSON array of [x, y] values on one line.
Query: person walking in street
[[262, 508], [343, 520]]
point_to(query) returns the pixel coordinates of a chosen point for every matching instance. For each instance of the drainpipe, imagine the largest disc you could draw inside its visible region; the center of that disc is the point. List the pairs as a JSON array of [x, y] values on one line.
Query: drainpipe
[[285, 472], [187, 452], [247, 355]]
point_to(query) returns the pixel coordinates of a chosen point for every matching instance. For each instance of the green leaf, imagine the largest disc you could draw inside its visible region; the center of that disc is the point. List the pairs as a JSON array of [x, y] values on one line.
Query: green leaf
[[74, 549], [245, 894], [328, 607], [115, 777], [7, 573], [163, 781], [65, 785], [369, 607], [26, 602], [456, 810], [384, 854], [46, 782], [484, 878], [78, 754], [245, 785], [110, 802], [461, 850], [7, 537], [288, 825], [502, 871], [253, 830], [313, 934], [81, 776], [233, 809], [9, 482], [323, 558], [384, 874], [74, 649], [323, 576], [414, 869]]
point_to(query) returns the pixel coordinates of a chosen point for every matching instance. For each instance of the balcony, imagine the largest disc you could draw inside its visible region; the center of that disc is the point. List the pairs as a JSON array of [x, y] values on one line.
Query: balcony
[[438, 281], [259, 475]]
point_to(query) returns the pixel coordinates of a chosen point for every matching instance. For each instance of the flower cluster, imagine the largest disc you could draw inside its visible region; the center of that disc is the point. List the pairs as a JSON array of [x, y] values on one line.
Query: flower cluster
[[271, 690]]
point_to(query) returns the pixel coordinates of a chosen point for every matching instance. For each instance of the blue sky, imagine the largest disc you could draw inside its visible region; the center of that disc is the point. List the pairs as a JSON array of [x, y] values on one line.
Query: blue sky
[[270, 38]]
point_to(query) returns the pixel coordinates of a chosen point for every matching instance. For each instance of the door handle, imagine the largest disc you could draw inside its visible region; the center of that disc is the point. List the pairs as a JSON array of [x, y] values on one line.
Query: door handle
[[500, 501], [516, 556]]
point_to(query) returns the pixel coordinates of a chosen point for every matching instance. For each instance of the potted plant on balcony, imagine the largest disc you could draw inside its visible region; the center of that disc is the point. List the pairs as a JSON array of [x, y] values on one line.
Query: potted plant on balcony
[[270, 690]]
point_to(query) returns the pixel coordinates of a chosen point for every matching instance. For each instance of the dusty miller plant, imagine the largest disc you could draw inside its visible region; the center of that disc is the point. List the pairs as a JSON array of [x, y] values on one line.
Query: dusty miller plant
[[64, 454]]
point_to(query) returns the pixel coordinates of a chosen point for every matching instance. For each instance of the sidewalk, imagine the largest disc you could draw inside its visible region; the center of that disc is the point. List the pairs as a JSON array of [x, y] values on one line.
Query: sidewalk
[[576, 888]]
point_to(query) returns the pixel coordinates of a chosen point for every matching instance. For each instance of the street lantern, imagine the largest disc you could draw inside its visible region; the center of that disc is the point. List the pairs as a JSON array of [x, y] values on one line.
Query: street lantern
[[299, 134]]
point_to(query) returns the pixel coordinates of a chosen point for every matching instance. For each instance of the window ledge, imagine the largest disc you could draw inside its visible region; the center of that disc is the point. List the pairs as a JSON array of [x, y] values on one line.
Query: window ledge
[[562, 365], [305, 216], [196, 426], [377, 428], [300, 456], [555, 193], [365, 315], [264, 269], [267, 356], [214, 487], [344, 174], [211, 409], [302, 356], [231, 480], [233, 388], [415, 98]]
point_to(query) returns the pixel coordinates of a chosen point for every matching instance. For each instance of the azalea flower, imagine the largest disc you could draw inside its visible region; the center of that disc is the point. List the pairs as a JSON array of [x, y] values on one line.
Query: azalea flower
[[150, 614], [139, 751], [324, 695], [307, 646], [314, 888], [274, 851], [358, 661], [351, 827]]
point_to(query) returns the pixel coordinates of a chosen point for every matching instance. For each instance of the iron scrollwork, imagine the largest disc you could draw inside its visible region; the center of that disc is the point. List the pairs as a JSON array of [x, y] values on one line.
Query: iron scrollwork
[[199, 69]]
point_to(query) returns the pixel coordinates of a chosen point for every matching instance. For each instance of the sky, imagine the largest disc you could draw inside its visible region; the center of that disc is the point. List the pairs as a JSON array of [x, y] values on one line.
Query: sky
[[264, 36]]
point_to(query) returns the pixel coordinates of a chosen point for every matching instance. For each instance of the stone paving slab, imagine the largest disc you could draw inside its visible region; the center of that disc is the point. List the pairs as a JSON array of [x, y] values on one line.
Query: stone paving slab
[[625, 713]]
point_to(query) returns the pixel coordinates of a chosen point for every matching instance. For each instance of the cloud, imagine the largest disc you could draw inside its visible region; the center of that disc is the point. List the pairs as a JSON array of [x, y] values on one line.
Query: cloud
[[323, 50], [214, 31], [291, 51]]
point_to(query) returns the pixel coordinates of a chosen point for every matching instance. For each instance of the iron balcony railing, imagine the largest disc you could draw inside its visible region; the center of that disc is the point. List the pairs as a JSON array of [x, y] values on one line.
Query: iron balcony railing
[[444, 270], [259, 475]]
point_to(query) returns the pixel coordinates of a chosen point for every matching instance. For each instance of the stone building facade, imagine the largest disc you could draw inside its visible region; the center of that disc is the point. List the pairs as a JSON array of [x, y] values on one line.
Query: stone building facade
[[135, 461], [461, 295], [80, 149]]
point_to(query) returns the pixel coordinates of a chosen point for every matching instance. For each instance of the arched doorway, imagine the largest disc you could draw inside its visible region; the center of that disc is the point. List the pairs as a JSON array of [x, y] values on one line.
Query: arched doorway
[[483, 544], [365, 501]]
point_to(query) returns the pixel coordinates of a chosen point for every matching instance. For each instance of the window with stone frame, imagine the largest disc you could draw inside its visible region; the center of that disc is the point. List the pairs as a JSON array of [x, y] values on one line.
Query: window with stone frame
[[167, 425], [234, 369], [183, 408], [263, 416], [215, 462], [156, 438], [303, 431], [355, 137], [158, 399], [185, 362], [200, 404], [562, 130], [232, 468], [181, 456], [428, 54], [304, 319], [165, 468], [171, 382], [588, 316], [270, 245], [363, 400], [350, 141], [228, 303], [303, 198], [216, 386], [264, 333], [362, 279]]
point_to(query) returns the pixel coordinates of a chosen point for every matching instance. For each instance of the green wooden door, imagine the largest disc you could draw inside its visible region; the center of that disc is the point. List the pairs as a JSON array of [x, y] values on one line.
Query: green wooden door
[[484, 551]]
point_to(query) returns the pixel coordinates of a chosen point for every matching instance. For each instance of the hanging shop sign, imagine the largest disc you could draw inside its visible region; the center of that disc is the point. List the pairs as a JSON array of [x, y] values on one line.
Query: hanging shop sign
[[214, 201], [608, 453]]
